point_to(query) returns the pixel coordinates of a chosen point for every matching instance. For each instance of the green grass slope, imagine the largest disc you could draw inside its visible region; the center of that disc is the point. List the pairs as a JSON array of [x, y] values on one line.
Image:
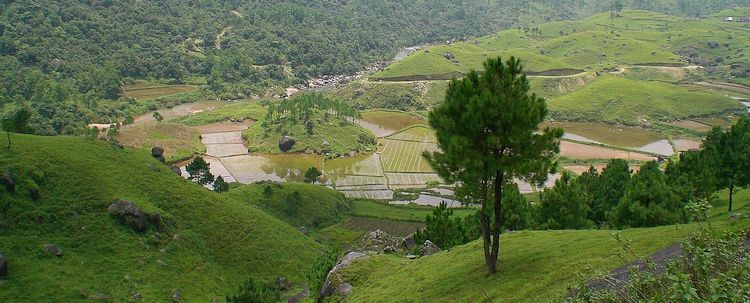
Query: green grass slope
[[342, 136], [240, 111], [598, 42], [210, 245], [535, 266], [318, 207], [616, 99]]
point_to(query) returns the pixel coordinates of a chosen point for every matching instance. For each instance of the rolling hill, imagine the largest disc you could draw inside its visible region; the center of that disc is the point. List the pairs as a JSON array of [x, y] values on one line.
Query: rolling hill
[[204, 247]]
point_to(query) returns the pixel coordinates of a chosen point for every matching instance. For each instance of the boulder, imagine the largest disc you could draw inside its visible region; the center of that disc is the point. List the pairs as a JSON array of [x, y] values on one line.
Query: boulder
[[326, 143], [157, 152], [449, 56], [409, 243], [410, 257], [344, 289], [53, 250], [330, 286], [428, 248], [155, 219], [286, 143], [160, 159], [8, 181], [304, 230], [176, 295], [129, 214], [283, 284], [176, 170], [3, 266]]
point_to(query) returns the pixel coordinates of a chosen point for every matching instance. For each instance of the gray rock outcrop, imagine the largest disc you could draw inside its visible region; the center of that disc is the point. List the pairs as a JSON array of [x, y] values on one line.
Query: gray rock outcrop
[[334, 280], [128, 213], [428, 248], [53, 250], [286, 143]]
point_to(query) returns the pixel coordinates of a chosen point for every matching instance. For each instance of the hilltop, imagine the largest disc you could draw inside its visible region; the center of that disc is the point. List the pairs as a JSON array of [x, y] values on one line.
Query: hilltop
[[205, 245]]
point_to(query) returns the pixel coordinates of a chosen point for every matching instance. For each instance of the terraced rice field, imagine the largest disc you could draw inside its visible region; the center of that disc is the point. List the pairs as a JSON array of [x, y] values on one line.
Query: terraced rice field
[[145, 90], [179, 111], [417, 134], [406, 156], [368, 165], [692, 125], [635, 137], [583, 151], [384, 123], [407, 180]]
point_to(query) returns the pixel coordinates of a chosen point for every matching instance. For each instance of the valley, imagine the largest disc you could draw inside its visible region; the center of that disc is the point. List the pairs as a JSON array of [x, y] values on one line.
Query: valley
[[391, 151]]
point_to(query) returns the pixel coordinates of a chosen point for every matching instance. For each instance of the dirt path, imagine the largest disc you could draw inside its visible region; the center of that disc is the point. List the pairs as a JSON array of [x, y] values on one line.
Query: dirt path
[[619, 277], [738, 88], [221, 35]]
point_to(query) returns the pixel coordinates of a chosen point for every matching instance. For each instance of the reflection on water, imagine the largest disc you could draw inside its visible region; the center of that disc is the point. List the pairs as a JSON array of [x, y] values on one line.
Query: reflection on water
[[377, 130], [362, 165], [254, 168], [179, 110], [575, 137], [661, 147], [429, 200]]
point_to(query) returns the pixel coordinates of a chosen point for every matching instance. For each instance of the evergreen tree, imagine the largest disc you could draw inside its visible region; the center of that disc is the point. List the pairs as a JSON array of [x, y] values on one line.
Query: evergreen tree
[[267, 194], [442, 229], [200, 171], [158, 117], [293, 203], [312, 175], [730, 151], [220, 186], [487, 131], [564, 206], [610, 186], [16, 122], [648, 201]]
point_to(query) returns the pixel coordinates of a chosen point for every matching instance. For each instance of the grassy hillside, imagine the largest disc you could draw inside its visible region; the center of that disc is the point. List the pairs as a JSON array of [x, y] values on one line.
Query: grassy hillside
[[616, 99], [251, 110], [319, 206], [535, 266], [179, 141], [598, 42], [342, 136], [209, 246]]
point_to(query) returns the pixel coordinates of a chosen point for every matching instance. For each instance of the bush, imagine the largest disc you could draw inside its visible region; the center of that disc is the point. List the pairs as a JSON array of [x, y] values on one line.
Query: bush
[[255, 292]]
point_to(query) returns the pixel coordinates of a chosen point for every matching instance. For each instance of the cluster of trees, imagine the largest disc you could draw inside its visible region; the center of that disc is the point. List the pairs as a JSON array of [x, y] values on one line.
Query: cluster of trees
[[200, 172], [650, 197], [304, 109]]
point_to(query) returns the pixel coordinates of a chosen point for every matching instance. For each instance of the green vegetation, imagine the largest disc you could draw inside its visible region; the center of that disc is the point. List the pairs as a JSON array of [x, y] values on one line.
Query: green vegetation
[[483, 149], [180, 142], [317, 124], [317, 207], [207, 245], [411, 213], [556, 260], [245, 110], [615, 99]]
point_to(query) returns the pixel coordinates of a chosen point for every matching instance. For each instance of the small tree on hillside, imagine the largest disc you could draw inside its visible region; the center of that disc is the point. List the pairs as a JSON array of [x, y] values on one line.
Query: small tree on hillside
[[608, 190], [220, 186], [200, 171], [16, 122], [488, 133], [730, 151], [312, 175], [443, 229], [158, 117], [293, 202], [267, 194]]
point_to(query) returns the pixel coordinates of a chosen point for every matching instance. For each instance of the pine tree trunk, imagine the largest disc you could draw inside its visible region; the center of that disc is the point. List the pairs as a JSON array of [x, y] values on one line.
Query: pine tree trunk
[[8, 133], [484, 223], [497, 212], [731, 192]]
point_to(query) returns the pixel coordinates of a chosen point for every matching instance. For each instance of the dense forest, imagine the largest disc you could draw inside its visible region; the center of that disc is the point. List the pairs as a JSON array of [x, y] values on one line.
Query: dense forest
[[67, 60]]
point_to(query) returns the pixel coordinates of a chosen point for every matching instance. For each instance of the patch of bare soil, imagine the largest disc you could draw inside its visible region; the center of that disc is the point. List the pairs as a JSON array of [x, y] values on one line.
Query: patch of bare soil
[[583, 151]]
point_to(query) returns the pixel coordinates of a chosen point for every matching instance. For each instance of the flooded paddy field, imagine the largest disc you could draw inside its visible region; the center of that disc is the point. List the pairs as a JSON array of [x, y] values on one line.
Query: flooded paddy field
[[631, 137]]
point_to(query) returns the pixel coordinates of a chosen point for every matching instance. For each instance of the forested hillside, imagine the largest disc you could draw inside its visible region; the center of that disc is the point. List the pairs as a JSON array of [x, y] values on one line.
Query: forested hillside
[[67, 60]]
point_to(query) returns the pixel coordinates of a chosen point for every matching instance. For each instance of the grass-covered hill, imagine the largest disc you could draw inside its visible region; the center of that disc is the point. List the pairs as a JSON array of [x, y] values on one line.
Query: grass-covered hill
[[616, 99], [318, 206], [534, 266], [598, 42], [208, 245]]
